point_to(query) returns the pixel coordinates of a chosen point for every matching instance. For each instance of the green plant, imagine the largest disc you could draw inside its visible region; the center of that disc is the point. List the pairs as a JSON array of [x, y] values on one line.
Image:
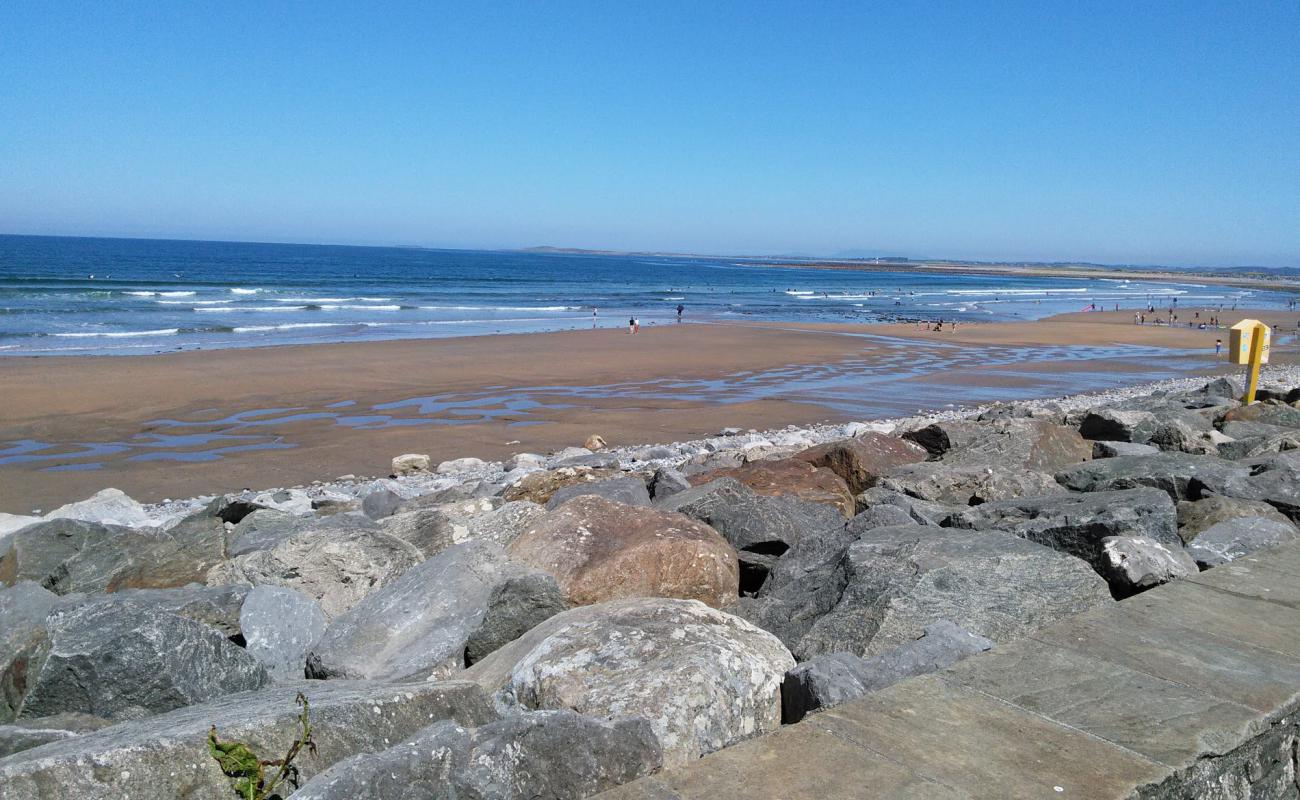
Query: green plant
[[238, 761]]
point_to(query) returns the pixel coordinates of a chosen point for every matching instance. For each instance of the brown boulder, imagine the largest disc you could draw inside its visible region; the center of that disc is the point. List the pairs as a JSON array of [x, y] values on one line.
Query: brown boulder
[[862, 460], [539, 487], [601, 550], [788, 476]]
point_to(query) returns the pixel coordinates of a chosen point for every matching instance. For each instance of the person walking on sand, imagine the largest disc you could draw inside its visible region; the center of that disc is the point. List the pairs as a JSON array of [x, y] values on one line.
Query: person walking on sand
[[680, 309], [631, 324], [636, 325], [1218, 347]]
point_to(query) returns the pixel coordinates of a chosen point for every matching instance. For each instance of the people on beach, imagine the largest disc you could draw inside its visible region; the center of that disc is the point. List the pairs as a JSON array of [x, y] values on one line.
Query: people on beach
[[631, 324], [636, 325], [680, 309], [1218, 347]]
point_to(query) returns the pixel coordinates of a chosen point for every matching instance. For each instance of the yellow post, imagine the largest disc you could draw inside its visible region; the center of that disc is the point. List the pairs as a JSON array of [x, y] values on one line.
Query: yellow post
[[1256, 355]]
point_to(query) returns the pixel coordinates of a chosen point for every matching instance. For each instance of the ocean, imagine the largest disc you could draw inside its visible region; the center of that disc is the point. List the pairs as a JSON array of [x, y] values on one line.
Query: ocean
[[86, 296]]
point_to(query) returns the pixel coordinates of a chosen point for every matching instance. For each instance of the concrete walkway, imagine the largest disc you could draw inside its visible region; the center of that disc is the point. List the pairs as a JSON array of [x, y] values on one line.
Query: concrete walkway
[[1188, 690]]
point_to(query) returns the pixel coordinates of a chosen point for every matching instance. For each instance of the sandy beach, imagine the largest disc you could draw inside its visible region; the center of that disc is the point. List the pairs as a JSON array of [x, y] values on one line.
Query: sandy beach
[[190, 423]]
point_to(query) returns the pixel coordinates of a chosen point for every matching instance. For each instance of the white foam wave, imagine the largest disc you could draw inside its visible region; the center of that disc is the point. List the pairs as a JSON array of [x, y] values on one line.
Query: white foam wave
[[161, 294], [360, 308], [502, 308], [674, 298], [798, 294], [120, 334], [286, 327], [315, 299], [236, 309], [245, 291], [193, 302]]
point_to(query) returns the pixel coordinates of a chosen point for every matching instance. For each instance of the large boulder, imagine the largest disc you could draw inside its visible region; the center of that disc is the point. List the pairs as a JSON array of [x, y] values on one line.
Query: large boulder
[[1031, 444], [112, 657], [106, 507], [539, 487], [761, 528], [1231, 539], [66, 555], [922, 512], [1077, 523], [434, 528], [543, 754], [336, 568], [1195, 516], [899, 580], [789, 477], [704, 678], [1278, 484], [967, 485], [1107, 449], [24, 641], [1116, 425], [166, 756], [601, 550], [418, 626], [1268, 413], [1181, 475], [279, 626], [217, 607], [861, 461], [24, 734], [835, 678], [1132, 564], [265, 528], [629, 491]]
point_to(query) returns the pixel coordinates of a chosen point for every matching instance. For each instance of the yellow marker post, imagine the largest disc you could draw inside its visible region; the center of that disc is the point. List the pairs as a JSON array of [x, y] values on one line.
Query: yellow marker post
[[1248, 343]]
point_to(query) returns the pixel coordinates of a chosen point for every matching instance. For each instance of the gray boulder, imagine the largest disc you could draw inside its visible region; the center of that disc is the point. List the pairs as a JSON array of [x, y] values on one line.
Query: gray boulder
[[1176, 435], [418, 626], [1132, 564], [883, 516], [279, 626], [336, 568], [1115, 425], [899, 580], [1234, 538], [24, 641], [629, 491], [1195, 516], [1181, 475], [590, 460], [380, 499], [543, 754], [67, 555], [835, 678], [1031, 444], [215, 606], [1107, 449], [113, 656], [1278, 484], [434, 528], [922, 512], [967, 485], [667, 481], [1077, 523], [703, 678], [166, 756], [106, 507], [263, 529], [28, 733]]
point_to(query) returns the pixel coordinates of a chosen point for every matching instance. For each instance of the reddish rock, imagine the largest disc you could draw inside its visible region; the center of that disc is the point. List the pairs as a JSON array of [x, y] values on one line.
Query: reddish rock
[[862, 460], [601, 550], [788, 476]]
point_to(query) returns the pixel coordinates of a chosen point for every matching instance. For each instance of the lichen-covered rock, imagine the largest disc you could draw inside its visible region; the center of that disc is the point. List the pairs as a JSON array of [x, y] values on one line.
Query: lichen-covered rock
[[967, 485], [166, 756], [539, 487], [419, 625], [66, 555], [543, 754], [1231, 539], [279, 626], [790, 477], [112, 656], [1077, 523], [861, 460], [703, 678], [899, 580], [336, 568], [601, 550]]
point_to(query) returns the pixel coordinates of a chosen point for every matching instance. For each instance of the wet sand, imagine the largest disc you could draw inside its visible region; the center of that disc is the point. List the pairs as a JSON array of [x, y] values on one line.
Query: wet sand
[[191, 423]]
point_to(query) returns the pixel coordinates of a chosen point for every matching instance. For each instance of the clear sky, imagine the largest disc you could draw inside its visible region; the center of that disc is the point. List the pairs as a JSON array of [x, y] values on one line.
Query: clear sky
[[1150, 132]]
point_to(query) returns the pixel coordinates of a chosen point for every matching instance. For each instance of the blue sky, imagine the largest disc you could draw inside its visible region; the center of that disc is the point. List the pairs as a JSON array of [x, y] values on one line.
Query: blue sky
[[1118, 132]]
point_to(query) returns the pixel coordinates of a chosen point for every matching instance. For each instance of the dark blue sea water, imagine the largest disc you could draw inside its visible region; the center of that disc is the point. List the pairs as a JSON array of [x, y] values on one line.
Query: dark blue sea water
[[78, 296]]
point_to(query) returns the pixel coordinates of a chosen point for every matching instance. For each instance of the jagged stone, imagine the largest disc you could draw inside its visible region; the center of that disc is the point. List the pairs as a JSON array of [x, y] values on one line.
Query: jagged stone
[[834, 678], [1231, 539], [788, 477], [1116, 425], [630, 491], [25, 734], [967, 485], [165, 757], [542, 754], [703, 678], [418, 626], [1132, 564], [111, 656], [279, 626], [1106, 449], [1030, 444], [24, 641], [666, 482], [860, 461], [923, 512], [1181, 475]]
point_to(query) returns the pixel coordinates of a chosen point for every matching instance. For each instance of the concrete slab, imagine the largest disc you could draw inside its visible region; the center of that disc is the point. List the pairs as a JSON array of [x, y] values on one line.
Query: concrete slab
[[1164, 721], [1251, 676], [988, 748]]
